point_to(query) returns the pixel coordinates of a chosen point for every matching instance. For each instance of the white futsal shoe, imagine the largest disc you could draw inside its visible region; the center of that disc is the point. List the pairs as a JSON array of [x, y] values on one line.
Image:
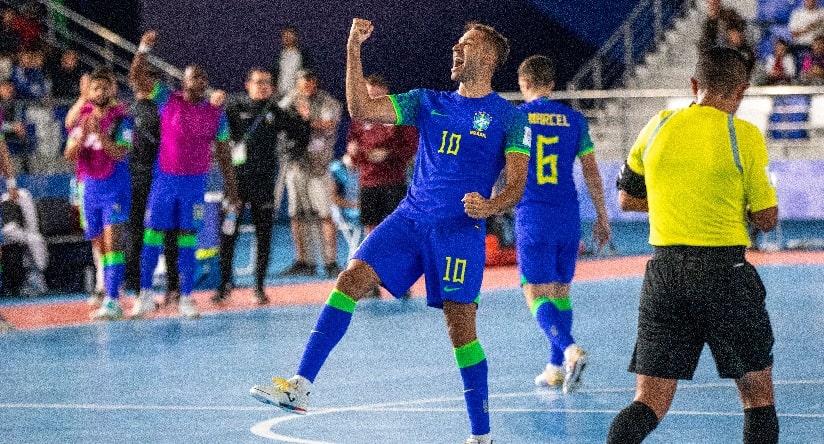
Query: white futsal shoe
[[291, 395], [474, 439], [186, 308], [552, 376], [575, 361], [109, 310], [143, 305]]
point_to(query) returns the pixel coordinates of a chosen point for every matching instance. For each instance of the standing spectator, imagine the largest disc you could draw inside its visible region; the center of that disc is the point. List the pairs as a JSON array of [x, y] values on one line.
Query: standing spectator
[[292, 59], [11, 187], [308, 180], [100, 142], [548, 220], [28, 76], [381, 152], [700, 172], [346, 197], [467, 137], [254, 125], [806, 21], [812, 66], [189, 125], [65, 77], [779, 67], [141, 166], [28, 25]]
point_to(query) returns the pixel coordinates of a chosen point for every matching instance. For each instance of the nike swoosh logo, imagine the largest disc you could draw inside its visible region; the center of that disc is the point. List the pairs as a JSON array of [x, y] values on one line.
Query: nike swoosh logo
[[468, 390], [436, 113], [450, 289]]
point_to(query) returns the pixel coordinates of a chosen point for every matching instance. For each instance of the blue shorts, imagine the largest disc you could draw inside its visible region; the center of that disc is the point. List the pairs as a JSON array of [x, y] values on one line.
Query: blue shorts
[[106, 202], [547, 243], [449, 255], [176, 202]]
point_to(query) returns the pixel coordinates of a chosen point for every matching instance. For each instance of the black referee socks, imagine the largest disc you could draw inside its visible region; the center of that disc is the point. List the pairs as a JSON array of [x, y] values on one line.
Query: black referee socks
[[760, 425], [633, 424]]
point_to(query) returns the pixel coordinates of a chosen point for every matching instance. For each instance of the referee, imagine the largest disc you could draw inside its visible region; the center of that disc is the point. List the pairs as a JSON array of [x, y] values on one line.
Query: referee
[[700, 173], [254, 124]]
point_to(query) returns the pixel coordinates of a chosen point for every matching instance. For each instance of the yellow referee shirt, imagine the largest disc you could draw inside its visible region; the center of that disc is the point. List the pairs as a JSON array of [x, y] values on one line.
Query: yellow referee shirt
[[703, 170]]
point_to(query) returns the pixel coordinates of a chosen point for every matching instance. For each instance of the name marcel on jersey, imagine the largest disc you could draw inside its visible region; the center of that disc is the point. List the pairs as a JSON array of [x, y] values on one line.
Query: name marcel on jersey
[[548, 119]]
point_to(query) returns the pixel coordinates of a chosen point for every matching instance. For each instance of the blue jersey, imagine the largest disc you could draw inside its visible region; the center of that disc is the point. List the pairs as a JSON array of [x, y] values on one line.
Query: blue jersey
[[462, 147], [559, 135]]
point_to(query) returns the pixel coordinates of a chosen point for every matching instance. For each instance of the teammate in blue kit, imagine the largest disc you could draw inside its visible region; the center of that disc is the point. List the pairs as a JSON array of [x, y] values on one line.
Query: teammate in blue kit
[[547, 220], [467, 137]]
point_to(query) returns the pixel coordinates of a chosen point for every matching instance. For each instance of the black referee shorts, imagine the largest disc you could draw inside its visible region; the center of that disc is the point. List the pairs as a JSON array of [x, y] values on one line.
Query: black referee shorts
[[697, 295]]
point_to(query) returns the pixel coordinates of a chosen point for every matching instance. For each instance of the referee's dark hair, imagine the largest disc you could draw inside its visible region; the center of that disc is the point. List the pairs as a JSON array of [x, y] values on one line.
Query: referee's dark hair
[[721, 70], [539, 69]]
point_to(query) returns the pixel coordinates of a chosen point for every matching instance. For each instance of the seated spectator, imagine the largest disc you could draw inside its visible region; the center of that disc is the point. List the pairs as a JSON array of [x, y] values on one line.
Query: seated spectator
[[65, 77], [737, 39], [28, 77], [806, 21], [9, 43], [15, 124], [719, 20], [20, 226], [812, 66], [779, 67]]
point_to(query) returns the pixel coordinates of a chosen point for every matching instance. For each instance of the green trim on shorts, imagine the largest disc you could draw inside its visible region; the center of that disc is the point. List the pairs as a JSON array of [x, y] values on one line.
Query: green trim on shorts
[[469, 354], [341, 301], [188, 240], [153, 238], [114, 258], [477, 300]]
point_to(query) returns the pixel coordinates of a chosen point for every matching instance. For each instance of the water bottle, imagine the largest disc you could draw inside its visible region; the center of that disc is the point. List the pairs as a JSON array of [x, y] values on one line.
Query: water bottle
[[230, 222]]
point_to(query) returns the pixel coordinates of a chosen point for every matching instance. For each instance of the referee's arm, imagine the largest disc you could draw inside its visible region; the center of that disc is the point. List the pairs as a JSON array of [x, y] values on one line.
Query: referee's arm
[[632, 190]]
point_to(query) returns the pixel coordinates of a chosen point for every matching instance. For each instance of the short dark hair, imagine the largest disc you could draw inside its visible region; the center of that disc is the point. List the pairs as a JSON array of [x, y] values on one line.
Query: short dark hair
[[307, 74], [499, 43], [539, 69], [255, 69], [721, 70], [103, 73], [377, 80]]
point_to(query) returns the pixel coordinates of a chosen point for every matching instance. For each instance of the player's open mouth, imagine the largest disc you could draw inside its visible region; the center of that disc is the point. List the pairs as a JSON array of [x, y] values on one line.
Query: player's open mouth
[[457, 62]]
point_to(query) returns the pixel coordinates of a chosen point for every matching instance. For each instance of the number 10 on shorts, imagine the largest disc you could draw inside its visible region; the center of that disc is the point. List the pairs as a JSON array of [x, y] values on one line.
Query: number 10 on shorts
[[457, 270]]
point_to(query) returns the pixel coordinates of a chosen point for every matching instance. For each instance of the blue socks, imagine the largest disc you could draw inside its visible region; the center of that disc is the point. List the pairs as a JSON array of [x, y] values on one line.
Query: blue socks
[[331, 326], [186, 262], [554, 316], [474, 371], [114, 269], [152, 247]]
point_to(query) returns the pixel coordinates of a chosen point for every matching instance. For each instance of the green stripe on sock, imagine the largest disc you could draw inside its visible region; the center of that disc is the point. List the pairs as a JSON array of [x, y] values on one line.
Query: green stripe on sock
[[341, 301], [536, 304], [469, 354], [562, 304], [153, 238], [114, 258], [187, 240]]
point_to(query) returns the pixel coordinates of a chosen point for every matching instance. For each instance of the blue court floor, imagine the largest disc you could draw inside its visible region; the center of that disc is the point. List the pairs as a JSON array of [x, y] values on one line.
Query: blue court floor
[[392, 379]]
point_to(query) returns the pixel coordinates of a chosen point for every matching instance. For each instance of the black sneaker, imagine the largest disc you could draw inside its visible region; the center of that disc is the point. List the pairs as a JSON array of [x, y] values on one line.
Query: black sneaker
[[260, 297], [298, 269], [223, 292], [332, 269]]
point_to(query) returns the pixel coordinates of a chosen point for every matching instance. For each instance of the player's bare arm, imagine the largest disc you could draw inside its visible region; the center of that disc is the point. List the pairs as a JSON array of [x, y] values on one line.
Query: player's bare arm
[[766, 219], [224, 160], [360, 105], [601, 231], [8, 170], [477, 207], [139, 78], [629, 203]]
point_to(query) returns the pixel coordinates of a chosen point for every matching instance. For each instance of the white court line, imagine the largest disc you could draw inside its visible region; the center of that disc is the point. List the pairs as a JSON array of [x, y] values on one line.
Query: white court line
[[264, 428]]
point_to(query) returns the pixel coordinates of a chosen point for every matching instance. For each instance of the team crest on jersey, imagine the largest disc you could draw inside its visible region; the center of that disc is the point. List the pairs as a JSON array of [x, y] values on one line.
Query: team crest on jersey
[[480, 123]]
